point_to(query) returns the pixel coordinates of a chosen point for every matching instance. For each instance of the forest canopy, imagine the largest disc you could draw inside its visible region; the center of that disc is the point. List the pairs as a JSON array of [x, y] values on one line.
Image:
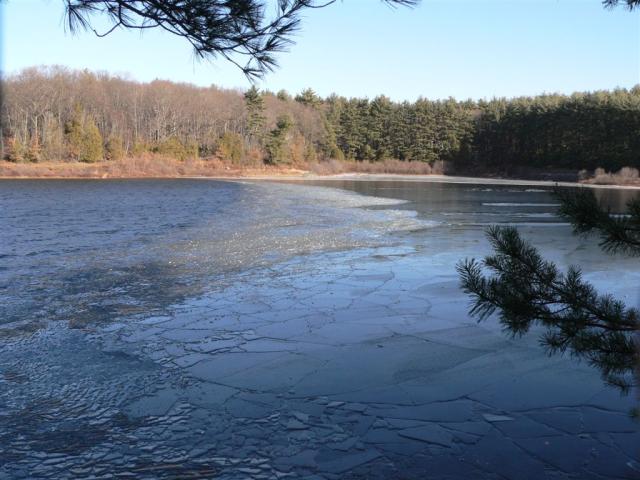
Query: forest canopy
[[56, 114]]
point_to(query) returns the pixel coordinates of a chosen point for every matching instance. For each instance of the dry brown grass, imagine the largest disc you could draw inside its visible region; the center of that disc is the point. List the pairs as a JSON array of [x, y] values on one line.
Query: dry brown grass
[[624, 176], [158, 166], [145, 166]]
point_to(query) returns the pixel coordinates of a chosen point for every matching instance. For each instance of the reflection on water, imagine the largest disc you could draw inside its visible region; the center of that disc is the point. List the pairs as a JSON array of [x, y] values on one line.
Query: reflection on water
[[475, 201], [615, 199]]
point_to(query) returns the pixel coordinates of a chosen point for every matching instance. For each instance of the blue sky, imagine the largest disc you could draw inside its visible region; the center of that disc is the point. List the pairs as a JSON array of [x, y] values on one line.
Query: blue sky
[[442, 48]]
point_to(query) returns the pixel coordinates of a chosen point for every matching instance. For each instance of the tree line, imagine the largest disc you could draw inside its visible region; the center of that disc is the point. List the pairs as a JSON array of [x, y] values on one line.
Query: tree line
[[56, 114]]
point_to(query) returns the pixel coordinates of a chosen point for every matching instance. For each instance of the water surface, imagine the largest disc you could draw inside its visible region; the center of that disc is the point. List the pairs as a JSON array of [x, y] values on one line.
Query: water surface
[[205, 329]]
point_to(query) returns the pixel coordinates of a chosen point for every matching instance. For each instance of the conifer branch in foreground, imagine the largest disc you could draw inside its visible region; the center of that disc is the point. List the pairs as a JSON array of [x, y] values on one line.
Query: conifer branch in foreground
[[526, 290]]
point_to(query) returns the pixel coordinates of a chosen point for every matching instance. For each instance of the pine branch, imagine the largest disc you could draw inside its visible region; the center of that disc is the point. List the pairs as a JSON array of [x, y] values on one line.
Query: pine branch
[[618, 234], [630, 4], [228, 28], [526, 290]]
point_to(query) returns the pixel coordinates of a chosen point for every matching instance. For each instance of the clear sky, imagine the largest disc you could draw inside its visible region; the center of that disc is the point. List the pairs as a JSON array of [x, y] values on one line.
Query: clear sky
[[459, 48]]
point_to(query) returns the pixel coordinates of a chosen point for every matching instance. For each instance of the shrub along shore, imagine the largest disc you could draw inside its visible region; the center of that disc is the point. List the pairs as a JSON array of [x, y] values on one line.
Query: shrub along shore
[[163, 167]]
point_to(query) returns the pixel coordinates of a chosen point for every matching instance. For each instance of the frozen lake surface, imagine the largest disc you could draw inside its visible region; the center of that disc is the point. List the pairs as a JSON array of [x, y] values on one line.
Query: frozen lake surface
[[245, 330]]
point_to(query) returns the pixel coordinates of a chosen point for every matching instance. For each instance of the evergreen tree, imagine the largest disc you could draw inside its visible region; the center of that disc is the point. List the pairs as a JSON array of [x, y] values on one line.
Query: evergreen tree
[[34, 152], [277, 143], [172, 147], [331, 122], [255, 115], [328, 145], [15, 150], [84, 141], [378, 127], [192, 149], [114, 149], [74, 134], [231, 147], [283, 95], [423, 146], [310, 154], [309, 98], [352, 130], [91, 148], [400, 131]]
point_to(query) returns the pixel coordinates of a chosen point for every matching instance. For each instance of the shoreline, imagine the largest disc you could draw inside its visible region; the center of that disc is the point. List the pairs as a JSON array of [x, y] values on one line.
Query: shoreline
[[303, 176], [390, 177]]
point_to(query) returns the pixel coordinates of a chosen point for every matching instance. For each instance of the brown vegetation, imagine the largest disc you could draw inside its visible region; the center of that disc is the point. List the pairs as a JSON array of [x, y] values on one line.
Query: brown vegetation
[[145, 166], [624, 176], [51, 114], [160, 166]]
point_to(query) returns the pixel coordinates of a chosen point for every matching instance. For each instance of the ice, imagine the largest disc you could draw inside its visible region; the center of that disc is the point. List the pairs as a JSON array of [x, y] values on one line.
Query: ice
[[290, 331]]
